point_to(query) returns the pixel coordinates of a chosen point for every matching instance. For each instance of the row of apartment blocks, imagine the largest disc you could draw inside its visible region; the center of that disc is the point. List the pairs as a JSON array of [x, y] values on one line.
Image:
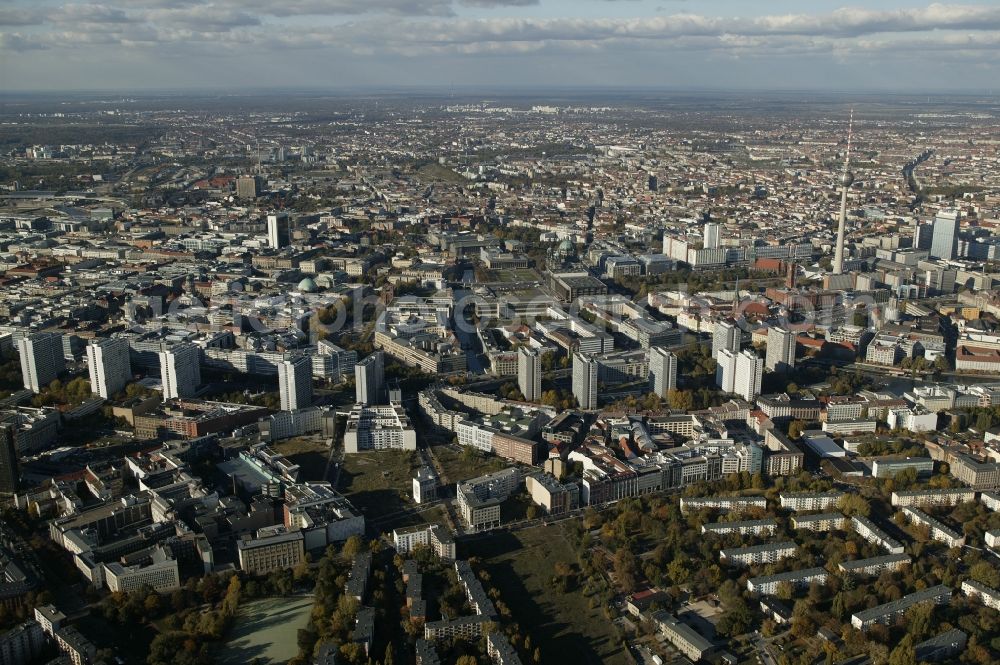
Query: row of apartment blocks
[[470, 626], [758, 554], [724, 503], [941, 497], [876, 565], [989, 597], [767, 585], [765, 527], [938, 531], [796, 501], [868, 530], [886, 612], [820, 522]]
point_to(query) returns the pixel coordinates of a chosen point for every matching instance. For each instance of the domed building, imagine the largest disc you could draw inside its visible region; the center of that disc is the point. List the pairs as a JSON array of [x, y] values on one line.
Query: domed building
[[308, 285]]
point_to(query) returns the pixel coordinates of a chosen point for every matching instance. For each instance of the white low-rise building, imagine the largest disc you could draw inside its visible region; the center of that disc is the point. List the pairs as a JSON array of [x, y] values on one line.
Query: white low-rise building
[[161, 573], [943, 497], [875, 565], [939, 531], [758, 554], [867, 529], [750, 527], [810, 500], [886, 612], [989, 597], [767, 585]]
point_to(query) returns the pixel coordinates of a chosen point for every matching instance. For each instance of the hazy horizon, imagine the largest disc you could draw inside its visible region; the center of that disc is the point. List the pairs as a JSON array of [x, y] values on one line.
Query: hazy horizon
[[338, 45]]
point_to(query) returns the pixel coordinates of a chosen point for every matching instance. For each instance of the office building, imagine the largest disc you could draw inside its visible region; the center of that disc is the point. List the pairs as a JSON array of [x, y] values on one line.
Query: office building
[[109, 365], [683, 637], [727, 335], [780, 350], [749, 374], [529, 373], [247, 187], [161, 573], [369, 379], [42, 359], [725, 370], [944, 238], [295, 383], [711, 236], [10, 466], [180, 370], [273, 550], [662, 371], [585, 368], [890, 466], [278, 230]]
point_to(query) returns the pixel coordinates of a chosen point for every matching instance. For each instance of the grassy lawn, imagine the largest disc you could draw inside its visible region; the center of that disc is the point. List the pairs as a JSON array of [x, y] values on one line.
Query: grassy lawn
[[309, 452], [379, 483], [467, 463], [563, 625], [437, 173], [266, 630]]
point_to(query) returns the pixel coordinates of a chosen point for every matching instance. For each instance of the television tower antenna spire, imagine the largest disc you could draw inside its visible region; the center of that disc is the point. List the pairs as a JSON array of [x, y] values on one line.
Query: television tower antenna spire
[[846, 179]]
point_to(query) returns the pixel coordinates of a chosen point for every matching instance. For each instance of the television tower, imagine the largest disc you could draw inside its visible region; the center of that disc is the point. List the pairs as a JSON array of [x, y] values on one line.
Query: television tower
[[846, 179]]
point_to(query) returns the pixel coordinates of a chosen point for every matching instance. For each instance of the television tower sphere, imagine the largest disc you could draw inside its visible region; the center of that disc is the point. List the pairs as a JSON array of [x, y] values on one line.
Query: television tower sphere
[[847, 179]]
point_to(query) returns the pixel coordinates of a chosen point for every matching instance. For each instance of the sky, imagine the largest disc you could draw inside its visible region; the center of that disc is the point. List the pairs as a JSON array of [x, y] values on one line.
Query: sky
[[136, 45]]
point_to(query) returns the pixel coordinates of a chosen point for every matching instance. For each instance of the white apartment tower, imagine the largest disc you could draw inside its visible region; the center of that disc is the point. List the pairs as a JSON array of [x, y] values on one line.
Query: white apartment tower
[[585, 380], [41, 359], [727, 335], [529, 373], [780, 350], [109, 365], [369, 379], [749, 372], [295, 383], [662, 370], [180, 370], [725, 370]]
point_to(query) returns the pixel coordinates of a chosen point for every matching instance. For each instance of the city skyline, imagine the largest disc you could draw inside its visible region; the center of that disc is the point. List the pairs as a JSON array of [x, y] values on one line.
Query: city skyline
[[157, 44]]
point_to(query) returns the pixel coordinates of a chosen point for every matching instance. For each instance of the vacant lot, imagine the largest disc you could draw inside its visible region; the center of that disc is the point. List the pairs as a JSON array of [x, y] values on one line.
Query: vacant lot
[[563, 625], [266, 630], [437, 173], [309, 452], [463, 463], [379, 483]]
